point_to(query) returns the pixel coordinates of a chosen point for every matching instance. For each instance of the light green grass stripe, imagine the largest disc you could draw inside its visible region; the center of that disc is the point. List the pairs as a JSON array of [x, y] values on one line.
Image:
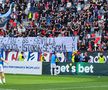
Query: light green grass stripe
[[6, 89], [83, 87]]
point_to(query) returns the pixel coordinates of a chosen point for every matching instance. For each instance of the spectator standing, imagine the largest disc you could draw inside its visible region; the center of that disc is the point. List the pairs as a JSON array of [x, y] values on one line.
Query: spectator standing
[[86, 57], [101, 58], [53, 64]]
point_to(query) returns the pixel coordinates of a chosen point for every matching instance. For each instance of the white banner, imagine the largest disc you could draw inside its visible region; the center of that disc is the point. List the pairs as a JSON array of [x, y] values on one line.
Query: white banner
[[39, 44], [18, 67]]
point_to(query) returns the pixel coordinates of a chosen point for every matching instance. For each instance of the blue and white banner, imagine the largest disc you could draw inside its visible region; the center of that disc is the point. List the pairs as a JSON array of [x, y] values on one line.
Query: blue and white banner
[[18, 67], [46, 56], [39, 44], [31, 56]]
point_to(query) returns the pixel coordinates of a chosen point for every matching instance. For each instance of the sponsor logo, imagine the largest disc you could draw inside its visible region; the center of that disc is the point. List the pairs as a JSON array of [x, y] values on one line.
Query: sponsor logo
[[75, 69]]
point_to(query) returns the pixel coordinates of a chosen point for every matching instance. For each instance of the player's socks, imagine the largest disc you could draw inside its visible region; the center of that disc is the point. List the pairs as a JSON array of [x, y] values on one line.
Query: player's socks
[[1, 81], [4, 81]]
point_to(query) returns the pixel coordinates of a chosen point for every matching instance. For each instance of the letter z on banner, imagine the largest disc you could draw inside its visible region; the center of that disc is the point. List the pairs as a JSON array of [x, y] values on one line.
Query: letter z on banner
[[18, 67]]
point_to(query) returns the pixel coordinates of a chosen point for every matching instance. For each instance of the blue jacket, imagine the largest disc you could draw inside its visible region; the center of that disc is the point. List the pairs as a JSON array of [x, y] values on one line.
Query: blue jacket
[[53, 59]]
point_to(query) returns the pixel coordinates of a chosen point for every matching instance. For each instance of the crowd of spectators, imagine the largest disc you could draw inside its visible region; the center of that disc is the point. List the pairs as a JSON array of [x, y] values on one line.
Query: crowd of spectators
[[85, 19]]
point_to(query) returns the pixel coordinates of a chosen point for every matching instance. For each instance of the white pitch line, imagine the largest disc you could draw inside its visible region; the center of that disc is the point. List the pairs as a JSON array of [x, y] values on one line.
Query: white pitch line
[[6, 89], [71, 88]]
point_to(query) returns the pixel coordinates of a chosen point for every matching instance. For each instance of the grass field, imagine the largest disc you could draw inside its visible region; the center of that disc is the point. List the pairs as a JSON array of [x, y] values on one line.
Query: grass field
[[47, 82]]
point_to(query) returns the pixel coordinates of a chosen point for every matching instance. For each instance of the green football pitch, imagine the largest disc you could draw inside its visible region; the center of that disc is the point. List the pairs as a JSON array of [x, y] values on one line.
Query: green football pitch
[[60, 82]]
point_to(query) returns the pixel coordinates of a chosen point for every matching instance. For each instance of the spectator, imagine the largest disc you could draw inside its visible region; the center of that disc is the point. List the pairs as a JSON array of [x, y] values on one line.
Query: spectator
[[62, 18], [77, 56], [101, 58], [53, 64], [86, 57]]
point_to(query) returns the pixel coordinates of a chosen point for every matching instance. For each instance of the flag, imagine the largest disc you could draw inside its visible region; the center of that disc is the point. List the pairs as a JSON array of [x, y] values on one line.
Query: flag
[[5, 17]]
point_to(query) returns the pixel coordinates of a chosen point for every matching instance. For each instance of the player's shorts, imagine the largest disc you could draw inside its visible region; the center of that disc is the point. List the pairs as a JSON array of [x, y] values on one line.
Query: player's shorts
[[53, 65], [1, 68]]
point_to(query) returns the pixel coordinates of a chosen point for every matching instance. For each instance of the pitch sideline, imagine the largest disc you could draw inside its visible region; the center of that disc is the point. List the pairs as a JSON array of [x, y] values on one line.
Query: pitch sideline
[[71, 88]]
